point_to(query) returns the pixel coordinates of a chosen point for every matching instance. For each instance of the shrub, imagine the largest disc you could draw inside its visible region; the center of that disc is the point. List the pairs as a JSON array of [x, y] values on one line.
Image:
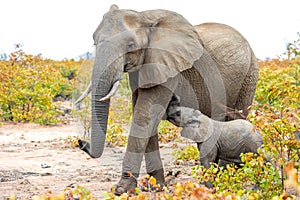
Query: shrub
[[29, 84], [255, 178], [186, 153]]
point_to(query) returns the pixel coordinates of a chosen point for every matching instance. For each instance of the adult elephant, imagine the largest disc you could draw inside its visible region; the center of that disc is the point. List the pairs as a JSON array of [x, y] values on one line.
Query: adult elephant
[[210, 67]]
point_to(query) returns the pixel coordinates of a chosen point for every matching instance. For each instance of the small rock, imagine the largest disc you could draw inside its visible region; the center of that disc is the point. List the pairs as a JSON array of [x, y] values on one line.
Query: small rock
[[45, 165]]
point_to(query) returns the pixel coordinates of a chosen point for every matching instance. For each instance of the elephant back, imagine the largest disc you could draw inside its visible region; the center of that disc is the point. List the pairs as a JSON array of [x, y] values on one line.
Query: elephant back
[[225, 44], [230, 51]]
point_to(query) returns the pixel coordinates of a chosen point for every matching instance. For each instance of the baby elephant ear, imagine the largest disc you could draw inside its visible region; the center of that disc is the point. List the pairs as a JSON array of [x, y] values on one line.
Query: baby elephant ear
[[176, 98], [196, 134], [173, 47], [175, 101]]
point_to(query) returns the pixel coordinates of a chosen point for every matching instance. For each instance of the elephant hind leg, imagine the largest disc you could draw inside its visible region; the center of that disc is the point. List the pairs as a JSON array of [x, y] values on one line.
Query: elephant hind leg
[[247, 91]]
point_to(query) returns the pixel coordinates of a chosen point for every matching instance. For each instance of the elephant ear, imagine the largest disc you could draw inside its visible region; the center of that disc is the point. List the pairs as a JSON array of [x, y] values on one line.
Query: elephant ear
[[173, 47]]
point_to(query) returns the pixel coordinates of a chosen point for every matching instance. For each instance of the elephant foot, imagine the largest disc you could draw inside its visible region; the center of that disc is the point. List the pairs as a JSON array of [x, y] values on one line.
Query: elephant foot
[[128, 183], [160, 178], [209, 184]]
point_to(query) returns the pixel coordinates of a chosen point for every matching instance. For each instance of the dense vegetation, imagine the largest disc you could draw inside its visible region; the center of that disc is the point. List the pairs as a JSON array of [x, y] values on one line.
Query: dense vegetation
[[30, 86]]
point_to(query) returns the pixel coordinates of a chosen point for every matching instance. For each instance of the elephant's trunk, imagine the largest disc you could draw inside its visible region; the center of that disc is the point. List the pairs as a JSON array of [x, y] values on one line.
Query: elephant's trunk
[[107, 70]]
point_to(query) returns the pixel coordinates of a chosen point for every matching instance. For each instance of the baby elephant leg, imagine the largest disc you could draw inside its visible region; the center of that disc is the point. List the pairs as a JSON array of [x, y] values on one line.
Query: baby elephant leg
[[208, 154], [223, 163]]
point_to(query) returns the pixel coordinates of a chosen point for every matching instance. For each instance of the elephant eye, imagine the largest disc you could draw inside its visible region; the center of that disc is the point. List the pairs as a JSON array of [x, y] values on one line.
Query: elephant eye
[[131, 45], [178, 113], [193, 122]]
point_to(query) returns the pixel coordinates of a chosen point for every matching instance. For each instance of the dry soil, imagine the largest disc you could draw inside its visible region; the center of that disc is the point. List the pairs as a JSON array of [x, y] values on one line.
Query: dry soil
[[37, 159]]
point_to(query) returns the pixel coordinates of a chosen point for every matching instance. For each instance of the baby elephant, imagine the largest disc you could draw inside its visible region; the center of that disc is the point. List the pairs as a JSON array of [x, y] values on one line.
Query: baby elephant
[[216, 140]]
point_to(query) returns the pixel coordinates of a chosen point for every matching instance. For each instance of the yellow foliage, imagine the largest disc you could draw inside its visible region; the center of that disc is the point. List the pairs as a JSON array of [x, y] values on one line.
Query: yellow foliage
[[29, 85], [152, 181], [292, 177]]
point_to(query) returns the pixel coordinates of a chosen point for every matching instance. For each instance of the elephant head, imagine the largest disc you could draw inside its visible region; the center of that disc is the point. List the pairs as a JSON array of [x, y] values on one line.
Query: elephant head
[[155, 44], [195, 125]]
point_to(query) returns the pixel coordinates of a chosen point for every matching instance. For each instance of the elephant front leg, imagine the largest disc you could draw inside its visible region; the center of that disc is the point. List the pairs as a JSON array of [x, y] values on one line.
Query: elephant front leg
[[154, 164], [208, 153], [149, 109]]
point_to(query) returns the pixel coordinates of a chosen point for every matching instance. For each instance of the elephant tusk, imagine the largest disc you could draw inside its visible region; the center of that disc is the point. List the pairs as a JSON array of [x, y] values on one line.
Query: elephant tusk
[[112, 91], [84, 94]]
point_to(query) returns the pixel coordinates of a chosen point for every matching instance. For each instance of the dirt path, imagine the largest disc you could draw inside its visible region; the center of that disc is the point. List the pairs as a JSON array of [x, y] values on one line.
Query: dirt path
[[25, 147]]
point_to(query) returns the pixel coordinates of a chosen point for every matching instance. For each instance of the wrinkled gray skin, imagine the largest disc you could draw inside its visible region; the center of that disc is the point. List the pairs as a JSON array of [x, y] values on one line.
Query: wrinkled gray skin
[[216, 140], [209, 66]]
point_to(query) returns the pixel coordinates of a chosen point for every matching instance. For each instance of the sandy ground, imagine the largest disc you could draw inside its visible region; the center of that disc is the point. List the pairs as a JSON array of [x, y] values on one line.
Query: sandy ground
[[24, 148]]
